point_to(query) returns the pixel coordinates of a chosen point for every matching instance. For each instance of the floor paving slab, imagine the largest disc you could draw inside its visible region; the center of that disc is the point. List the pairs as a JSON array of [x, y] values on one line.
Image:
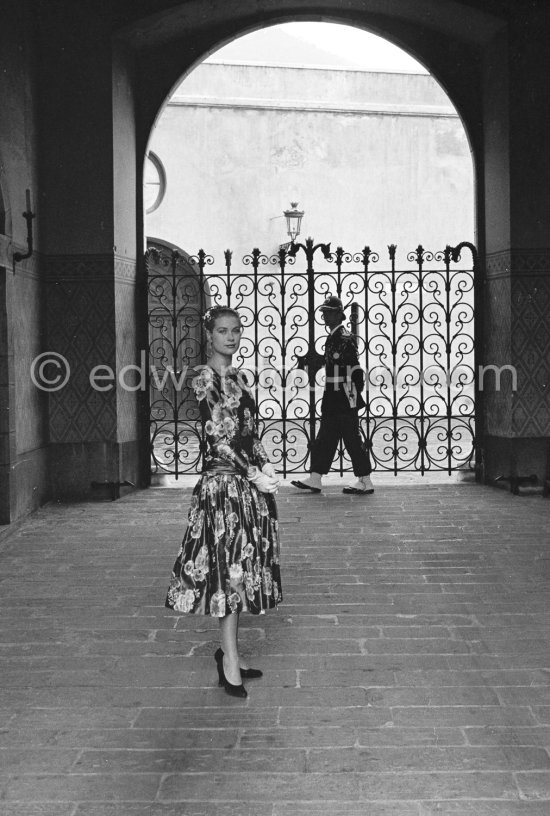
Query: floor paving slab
[[407, 672], [502, 735], [209, 808], [15, 760], [349, 808], [445, 785], [425, 759], [40, 809], [483, 808], [71, 787], [200, 760], [535, 785], [542, 713]]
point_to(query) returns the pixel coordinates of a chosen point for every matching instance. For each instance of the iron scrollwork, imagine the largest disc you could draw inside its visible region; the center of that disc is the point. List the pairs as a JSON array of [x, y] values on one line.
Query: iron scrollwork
[[414, 328]]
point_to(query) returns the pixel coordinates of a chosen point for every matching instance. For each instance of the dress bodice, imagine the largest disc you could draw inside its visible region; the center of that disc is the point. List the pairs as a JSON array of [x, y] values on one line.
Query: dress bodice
[[227, 411]]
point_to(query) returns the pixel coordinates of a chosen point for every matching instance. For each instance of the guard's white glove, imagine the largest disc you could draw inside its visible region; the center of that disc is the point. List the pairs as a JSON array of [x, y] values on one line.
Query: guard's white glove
[[264, 483]]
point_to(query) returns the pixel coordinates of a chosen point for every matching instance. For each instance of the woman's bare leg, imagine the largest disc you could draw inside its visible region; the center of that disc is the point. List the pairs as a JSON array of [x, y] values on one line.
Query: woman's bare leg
[[243, 664], [229, 628]]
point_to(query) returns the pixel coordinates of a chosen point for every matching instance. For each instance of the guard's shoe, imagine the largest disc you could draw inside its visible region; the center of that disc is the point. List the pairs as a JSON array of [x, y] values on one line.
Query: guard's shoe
[[361, 487], [313, 484]]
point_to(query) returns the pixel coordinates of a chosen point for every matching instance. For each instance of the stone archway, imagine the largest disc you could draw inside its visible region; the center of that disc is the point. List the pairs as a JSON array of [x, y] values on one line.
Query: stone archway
[[198, 192], [491, 58], [471, 49]]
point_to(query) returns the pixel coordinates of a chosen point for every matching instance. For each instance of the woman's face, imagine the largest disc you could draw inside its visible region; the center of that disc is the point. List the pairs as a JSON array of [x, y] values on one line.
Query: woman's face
[[226, 334]]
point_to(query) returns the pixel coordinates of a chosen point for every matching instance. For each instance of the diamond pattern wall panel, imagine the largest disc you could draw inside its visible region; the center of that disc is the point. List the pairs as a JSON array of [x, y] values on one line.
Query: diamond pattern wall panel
[[518, 319], [531, 352], [81, 327]]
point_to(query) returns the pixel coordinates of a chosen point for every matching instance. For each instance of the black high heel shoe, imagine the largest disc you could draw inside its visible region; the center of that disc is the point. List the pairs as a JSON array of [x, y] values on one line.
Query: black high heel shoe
[[249, 674], [234, 691]]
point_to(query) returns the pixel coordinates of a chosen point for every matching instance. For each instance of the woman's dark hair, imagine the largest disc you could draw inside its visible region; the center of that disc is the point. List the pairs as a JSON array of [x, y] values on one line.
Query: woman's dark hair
[[212, 314]]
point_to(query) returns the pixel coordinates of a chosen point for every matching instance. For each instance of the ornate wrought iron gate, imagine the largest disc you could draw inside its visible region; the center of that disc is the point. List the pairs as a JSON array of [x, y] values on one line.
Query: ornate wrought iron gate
[[415, 332]]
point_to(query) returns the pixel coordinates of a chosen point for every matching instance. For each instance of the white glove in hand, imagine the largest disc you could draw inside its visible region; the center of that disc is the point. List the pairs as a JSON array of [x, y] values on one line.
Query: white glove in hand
[[264, 483], [269, 470]]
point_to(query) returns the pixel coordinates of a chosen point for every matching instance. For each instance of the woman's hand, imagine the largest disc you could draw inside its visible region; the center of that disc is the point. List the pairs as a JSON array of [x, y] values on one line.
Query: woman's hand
[[269, 470], [264, 483]]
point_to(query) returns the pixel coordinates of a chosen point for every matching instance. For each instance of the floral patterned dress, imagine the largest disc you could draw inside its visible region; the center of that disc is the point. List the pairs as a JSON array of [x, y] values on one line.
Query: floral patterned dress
[[229, 557]]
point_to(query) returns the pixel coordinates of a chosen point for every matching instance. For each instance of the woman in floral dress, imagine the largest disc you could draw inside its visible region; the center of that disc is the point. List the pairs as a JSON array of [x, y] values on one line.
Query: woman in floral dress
[[229, 557]]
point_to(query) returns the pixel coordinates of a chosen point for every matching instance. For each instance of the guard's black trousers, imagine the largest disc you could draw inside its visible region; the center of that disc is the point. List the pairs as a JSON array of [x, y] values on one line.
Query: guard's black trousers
[[334, 426]]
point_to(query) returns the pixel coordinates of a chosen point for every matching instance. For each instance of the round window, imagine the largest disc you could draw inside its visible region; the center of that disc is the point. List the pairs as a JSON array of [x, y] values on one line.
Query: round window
[[154, 182]]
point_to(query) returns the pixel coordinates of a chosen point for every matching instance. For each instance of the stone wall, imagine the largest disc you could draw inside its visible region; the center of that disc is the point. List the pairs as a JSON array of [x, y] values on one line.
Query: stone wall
[[372, 158], [23, 418]]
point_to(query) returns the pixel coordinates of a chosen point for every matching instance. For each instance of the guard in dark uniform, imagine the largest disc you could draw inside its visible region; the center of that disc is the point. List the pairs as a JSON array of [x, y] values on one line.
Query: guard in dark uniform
[[341, 403]]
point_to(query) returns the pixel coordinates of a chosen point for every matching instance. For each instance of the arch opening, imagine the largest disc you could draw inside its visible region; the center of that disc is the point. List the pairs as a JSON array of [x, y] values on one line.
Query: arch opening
[[415, 183], [394, 137]]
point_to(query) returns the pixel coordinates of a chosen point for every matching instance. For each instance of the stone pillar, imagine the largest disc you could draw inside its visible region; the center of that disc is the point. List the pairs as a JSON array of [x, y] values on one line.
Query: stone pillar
[[130, 317], [517, 182], [88, 201]]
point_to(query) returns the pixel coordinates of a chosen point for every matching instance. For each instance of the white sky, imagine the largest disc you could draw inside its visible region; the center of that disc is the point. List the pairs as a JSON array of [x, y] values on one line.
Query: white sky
[[320, 44]]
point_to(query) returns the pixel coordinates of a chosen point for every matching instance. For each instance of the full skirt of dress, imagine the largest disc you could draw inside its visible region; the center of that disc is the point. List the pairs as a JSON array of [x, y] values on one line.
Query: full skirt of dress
[[229, 556]]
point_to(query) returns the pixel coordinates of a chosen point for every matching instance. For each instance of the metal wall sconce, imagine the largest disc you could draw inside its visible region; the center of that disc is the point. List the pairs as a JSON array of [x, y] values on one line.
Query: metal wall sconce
[[28, 215]]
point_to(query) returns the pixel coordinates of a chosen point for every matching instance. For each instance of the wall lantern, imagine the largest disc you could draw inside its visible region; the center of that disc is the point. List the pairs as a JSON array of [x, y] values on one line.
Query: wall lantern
[[293, 220]]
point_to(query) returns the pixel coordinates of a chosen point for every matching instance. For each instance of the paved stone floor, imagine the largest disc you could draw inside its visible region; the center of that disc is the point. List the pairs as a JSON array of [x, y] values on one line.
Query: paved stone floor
[[406, 673]]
